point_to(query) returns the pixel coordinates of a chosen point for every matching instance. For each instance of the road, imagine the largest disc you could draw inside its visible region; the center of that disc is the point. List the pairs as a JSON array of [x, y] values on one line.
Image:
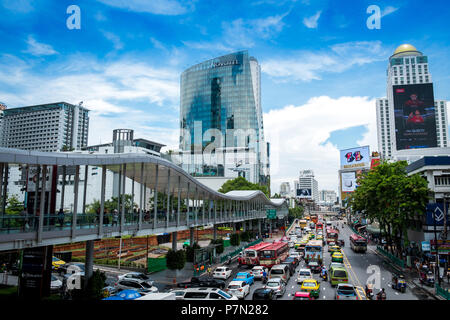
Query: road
[[357, 265]]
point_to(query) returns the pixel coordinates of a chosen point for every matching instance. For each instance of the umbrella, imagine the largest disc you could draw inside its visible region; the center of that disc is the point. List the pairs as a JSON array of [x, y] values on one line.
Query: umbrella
[[129, 294], [114, 298]]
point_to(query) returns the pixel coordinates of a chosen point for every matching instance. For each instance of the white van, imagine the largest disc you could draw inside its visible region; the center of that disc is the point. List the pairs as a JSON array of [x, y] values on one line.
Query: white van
[[207, 294], [280, 271]]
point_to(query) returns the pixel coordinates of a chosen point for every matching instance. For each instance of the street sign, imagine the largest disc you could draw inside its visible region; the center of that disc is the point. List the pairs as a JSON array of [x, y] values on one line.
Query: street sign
[[435, 211], [271, 213], [426, 246]]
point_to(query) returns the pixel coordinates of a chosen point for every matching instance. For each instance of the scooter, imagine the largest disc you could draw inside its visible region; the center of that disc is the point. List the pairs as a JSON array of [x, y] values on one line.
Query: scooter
[[381, 295], [369, 291]]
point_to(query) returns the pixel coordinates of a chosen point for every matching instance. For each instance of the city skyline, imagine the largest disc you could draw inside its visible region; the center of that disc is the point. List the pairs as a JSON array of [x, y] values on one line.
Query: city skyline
[[307, 51]]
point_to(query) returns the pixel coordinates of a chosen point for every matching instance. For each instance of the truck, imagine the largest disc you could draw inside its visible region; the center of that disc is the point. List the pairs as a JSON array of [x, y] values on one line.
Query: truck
[[206, 282]]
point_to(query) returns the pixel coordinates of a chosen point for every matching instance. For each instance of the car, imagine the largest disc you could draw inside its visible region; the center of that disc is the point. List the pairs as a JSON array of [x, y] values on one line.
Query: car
[[337, 257], [56, 263], [257, 272], [291, 244], [346, 292], [264, 294], [294, 260], [304, 274], [207, 294], [55, 284], [302, 295], [140, 286], [312, 286], [245, 276], [290, 264], [314, 266], [136, 275], [71, 268], [239, 289], [202, 282], [337, 275], [330, 244], [277, 285], [179, 293], [295, 254], [222, 273], [334, 248], [336, 265]]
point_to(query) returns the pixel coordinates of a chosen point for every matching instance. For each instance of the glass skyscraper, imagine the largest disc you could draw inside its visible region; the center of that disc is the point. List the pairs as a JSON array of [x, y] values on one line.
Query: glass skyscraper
[[221, 119]]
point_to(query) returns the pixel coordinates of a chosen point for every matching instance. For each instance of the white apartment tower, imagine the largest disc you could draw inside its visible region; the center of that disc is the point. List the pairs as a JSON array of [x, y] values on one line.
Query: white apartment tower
[[407, 66], [307, 181]]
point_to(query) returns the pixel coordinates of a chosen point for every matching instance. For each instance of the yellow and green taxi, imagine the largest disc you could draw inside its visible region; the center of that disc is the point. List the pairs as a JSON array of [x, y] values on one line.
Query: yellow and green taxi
[[337, 257], [311, 236], [333, 249], [319, 237], [56, 263], [338, 275], [311, 286]]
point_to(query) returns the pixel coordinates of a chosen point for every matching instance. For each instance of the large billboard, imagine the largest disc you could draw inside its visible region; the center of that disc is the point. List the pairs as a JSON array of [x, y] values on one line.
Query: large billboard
[[348, 181], [304, 193], [415, 119], [358, 157]]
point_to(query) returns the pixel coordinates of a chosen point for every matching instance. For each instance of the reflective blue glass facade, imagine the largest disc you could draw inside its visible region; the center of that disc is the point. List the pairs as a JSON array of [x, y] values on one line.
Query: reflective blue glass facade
[[222, 94]]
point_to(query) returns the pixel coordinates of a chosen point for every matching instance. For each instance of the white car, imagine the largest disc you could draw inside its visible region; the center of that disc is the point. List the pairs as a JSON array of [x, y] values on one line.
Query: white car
[[222, 273], [257, 272], [291, 244], [239, 289], [304, 274], [207, 294], [136, 276], [55, 284], [295, 255]]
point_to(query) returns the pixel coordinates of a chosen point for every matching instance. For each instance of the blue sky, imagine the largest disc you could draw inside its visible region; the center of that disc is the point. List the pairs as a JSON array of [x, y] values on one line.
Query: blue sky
[[126, 59]]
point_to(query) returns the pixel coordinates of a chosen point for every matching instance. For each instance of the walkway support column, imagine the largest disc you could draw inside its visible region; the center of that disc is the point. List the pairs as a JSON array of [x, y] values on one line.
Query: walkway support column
[[122, 216], [187, 205], [141, 196], [215, 232], [155, 198], [179, 201], [174, 241], [75, 201], [168, 198], [42, 206], [85, 188], [102, 201], [191, 236], [89, 256], [63, 188]]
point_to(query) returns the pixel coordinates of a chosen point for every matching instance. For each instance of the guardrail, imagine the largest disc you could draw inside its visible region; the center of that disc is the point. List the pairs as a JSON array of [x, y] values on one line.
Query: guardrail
[[442, 292], [391, 257], [236, 252]]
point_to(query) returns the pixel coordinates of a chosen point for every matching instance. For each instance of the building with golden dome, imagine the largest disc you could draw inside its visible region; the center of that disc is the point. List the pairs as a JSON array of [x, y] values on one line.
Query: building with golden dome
[[407, 73]]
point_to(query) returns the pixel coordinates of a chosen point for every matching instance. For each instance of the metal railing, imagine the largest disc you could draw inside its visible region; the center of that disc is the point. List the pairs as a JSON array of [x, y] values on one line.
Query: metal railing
[[394, 259], [238, 250], [442, 292]]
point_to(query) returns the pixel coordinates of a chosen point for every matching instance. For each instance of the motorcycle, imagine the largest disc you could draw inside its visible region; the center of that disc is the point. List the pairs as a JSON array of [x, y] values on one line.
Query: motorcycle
[[381, 295], [369, 291], [427, 278]]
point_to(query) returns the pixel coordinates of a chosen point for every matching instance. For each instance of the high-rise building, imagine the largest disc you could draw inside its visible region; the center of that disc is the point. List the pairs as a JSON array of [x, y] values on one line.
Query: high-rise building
[[285, 189], [307, 186], [221, 123], [327, 196], [49, 127], [408, 126]]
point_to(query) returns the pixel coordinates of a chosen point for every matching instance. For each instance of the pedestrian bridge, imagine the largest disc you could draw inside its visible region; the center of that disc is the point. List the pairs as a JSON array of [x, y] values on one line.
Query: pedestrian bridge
[[202, 205]]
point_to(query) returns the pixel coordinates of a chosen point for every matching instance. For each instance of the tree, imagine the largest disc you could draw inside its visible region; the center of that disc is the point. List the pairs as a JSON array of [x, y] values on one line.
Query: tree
[[112, 204], [295, 213], [219, 248], [190, 252], [235, 239], [14, 206], [389, 196], [175, 260], [276, 196], [240, 183]]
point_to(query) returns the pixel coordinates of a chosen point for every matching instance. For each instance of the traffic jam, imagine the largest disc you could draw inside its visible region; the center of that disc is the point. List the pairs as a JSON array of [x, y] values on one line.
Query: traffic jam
[[307, 263]]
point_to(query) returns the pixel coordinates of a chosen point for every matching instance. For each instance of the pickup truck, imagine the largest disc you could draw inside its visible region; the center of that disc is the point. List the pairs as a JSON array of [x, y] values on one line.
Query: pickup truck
[[206, 282]]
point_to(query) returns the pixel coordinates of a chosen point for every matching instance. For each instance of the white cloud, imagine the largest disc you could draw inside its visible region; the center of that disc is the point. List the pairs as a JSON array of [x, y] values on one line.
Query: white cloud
[[309, 65], [311, 22], [109, 89], [163, 7], [114, 39], [39, 49], [297, 135], [388, 10]]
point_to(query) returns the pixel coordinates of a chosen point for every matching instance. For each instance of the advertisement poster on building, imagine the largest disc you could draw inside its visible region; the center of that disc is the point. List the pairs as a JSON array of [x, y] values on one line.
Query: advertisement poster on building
[[415, 119], [304, 193], [348, 181], [358, 157]]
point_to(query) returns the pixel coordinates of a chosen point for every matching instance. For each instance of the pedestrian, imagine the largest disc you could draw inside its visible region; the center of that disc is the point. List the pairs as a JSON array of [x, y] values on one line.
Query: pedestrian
[[264, 275], [115, 217], [209, 271], [26, 223], [61, 217]]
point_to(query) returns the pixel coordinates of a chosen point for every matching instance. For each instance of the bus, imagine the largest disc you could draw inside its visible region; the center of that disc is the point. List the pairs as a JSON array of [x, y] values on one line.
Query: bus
[[273, 254], [332, 235], [358, 243], [319, 226], [314, 250], [303, 223], [250, 255]]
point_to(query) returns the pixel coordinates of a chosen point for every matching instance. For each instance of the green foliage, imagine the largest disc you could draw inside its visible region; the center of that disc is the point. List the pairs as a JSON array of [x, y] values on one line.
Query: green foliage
[[112, 204], [95, 285], [14, 206], [235, 239], [220, 248], [296, 213], [240, 183], [392, 198], [190, 252], [175, 260], [246, 236], [276, 196]]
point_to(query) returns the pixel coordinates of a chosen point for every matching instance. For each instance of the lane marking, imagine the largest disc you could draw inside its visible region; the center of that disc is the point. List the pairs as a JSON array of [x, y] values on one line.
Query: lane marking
[[353, 276]]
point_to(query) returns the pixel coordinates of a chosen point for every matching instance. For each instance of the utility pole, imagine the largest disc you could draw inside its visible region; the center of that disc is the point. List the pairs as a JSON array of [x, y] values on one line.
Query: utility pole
[[436, 271]]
